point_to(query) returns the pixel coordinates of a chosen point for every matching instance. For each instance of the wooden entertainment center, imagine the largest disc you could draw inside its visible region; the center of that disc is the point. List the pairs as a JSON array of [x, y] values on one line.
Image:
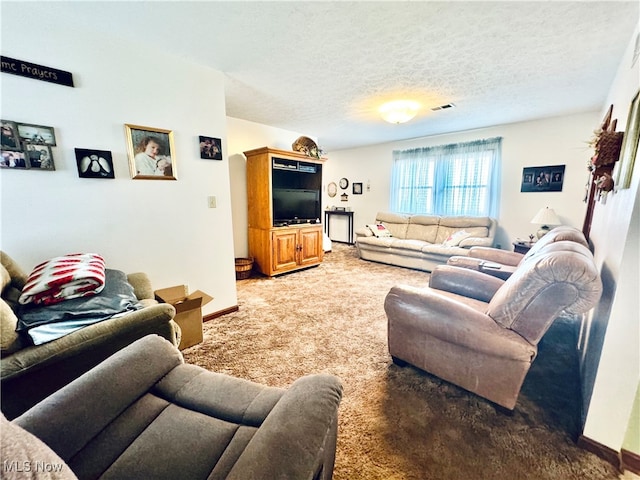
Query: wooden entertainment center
[[281, 238]]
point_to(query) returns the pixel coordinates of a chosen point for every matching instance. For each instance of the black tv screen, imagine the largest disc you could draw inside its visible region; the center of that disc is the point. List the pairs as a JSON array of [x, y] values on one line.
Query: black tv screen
[[295, 205]]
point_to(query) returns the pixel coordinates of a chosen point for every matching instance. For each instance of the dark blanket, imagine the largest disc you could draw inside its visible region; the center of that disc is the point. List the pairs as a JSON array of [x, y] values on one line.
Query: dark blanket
[[117, 297]]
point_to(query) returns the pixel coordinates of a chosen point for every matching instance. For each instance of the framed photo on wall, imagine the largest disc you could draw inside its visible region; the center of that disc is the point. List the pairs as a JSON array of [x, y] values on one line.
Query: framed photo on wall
[[37, 134], [542, 179], [151, 153], [210, 148], [357, 188], [10, 137], [94, 163], [38, 156], [12, 159], [629, 149]]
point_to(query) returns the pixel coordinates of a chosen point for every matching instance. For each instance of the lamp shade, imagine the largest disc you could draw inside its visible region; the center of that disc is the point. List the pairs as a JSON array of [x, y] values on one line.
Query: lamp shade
[[399, 111], [546, 216]]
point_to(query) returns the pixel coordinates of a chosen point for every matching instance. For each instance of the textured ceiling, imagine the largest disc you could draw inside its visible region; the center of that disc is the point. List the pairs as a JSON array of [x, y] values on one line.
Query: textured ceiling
[[323, 68]]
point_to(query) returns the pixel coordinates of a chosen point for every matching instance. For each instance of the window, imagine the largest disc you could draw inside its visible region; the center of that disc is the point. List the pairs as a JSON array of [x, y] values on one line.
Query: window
[[456, 179]]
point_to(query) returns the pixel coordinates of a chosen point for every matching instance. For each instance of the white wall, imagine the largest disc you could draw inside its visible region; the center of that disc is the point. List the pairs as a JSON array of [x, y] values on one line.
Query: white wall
[[611, 340], [553, 141], [243, 136], [164, 228]]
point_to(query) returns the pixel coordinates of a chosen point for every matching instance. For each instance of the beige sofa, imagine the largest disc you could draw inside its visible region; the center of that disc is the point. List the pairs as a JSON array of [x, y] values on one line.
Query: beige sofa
[[423, 241]]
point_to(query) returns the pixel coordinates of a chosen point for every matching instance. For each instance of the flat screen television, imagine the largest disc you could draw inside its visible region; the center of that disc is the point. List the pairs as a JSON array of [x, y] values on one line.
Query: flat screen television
[[295, 205]]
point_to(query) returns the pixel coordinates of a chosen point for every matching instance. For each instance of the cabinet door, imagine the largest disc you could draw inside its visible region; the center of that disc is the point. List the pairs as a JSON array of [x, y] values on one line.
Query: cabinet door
[[311, 243], [285, 246]]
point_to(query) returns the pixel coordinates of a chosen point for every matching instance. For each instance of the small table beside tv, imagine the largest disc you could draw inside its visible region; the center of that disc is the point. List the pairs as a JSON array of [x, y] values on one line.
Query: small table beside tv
[[327, 223]]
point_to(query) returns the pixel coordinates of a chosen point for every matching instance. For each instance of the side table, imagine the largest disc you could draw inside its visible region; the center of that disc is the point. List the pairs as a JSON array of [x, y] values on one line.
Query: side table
[[327, 220], [522, 247]]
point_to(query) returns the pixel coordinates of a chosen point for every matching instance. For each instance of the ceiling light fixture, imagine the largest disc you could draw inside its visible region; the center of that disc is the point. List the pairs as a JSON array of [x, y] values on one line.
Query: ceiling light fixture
[[399, 111]]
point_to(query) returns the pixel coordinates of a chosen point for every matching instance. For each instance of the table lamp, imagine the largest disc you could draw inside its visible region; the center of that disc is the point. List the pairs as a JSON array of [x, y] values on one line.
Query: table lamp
[[545, 217]]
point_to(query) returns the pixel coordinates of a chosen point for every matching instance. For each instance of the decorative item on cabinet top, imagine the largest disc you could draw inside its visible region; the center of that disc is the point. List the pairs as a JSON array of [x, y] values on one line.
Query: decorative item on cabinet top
[[307, 146]]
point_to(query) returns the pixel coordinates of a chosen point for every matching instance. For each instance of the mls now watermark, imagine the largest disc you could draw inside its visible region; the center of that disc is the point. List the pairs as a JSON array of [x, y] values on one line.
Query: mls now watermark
[[28, 467]]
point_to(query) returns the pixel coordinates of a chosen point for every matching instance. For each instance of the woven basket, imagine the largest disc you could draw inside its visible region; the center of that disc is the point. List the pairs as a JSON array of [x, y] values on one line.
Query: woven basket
[[243, 268]]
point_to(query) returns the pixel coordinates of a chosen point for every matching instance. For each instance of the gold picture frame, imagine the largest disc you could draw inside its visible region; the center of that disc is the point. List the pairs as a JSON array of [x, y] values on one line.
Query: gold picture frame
[[629, 149], [151, 153]]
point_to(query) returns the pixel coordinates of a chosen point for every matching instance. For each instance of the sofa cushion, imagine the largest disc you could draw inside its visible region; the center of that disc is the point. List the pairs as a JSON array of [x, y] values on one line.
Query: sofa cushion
[[455, 238], [397, 223], [444, 232], [423, 227]]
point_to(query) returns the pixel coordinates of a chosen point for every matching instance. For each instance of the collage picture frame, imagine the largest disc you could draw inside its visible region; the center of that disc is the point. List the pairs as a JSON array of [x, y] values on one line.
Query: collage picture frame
[[26, 146]]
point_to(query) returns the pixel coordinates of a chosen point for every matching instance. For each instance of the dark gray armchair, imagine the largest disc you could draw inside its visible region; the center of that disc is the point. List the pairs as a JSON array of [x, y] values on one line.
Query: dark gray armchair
[[144, 414]]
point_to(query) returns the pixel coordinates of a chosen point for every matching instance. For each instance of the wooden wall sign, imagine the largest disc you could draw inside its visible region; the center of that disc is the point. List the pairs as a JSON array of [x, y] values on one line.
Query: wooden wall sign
[[35, 71]]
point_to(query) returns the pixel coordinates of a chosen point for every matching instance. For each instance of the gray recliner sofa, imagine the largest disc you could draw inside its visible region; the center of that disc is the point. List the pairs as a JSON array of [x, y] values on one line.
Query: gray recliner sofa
[[144, 414]]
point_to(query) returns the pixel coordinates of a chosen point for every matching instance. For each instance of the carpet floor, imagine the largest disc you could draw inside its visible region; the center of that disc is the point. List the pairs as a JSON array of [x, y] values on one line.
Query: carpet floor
[[399, 423]]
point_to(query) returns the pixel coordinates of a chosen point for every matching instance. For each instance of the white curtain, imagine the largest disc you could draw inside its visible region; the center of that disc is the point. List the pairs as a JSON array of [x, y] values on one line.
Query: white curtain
[[455, 179]]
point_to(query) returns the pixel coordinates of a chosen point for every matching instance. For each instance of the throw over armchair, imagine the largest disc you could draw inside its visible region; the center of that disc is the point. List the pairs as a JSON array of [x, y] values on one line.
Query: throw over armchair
[[480, 332], [144, 414], [502, 263]]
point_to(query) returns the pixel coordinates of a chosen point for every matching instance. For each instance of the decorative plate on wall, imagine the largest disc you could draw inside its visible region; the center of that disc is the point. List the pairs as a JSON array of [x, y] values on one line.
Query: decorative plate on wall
[[344, 183], [332, 189]]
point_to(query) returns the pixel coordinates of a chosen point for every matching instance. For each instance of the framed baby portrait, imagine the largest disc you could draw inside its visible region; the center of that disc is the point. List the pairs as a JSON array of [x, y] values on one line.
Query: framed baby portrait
[[151, 153]]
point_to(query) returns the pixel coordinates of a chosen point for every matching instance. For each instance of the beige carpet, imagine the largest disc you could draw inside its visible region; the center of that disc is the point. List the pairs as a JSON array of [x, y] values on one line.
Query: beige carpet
[[398, 423]]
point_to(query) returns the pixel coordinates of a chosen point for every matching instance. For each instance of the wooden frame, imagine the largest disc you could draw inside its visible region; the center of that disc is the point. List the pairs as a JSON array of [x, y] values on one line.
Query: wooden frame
[[10, 137], [38, 156], [37, 134], [629, 149], [151, 153]]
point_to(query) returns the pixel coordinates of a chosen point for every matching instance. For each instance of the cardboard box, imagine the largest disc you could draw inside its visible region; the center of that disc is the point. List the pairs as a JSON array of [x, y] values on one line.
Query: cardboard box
[[188, 311]]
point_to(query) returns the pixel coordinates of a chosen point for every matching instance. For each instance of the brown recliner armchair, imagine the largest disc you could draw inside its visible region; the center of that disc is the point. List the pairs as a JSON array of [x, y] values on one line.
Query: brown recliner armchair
[[480, 332], [502, 263]]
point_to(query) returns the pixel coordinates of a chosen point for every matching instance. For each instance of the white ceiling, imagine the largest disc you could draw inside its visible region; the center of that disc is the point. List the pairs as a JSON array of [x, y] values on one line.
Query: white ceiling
[[323, 68]]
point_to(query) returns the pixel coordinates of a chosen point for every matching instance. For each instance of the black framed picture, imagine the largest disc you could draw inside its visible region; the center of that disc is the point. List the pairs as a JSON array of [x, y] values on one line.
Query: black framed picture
[[542, 179], [210, 148], [94, 163], [357, 188]]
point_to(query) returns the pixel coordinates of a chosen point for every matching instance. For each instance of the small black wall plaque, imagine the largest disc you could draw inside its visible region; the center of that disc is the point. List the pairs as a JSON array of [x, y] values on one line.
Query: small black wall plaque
[[37, 72]]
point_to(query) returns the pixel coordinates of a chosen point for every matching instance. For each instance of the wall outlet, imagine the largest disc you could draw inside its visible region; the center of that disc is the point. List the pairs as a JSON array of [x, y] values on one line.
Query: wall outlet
[[212, 201]]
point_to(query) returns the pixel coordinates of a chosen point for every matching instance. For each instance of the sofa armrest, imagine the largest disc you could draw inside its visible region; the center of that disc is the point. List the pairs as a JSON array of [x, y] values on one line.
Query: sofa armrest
[[496, 255], [33, 373], [465, 282], [302, 427], [141, 285], [363, 232], [71, 417]]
